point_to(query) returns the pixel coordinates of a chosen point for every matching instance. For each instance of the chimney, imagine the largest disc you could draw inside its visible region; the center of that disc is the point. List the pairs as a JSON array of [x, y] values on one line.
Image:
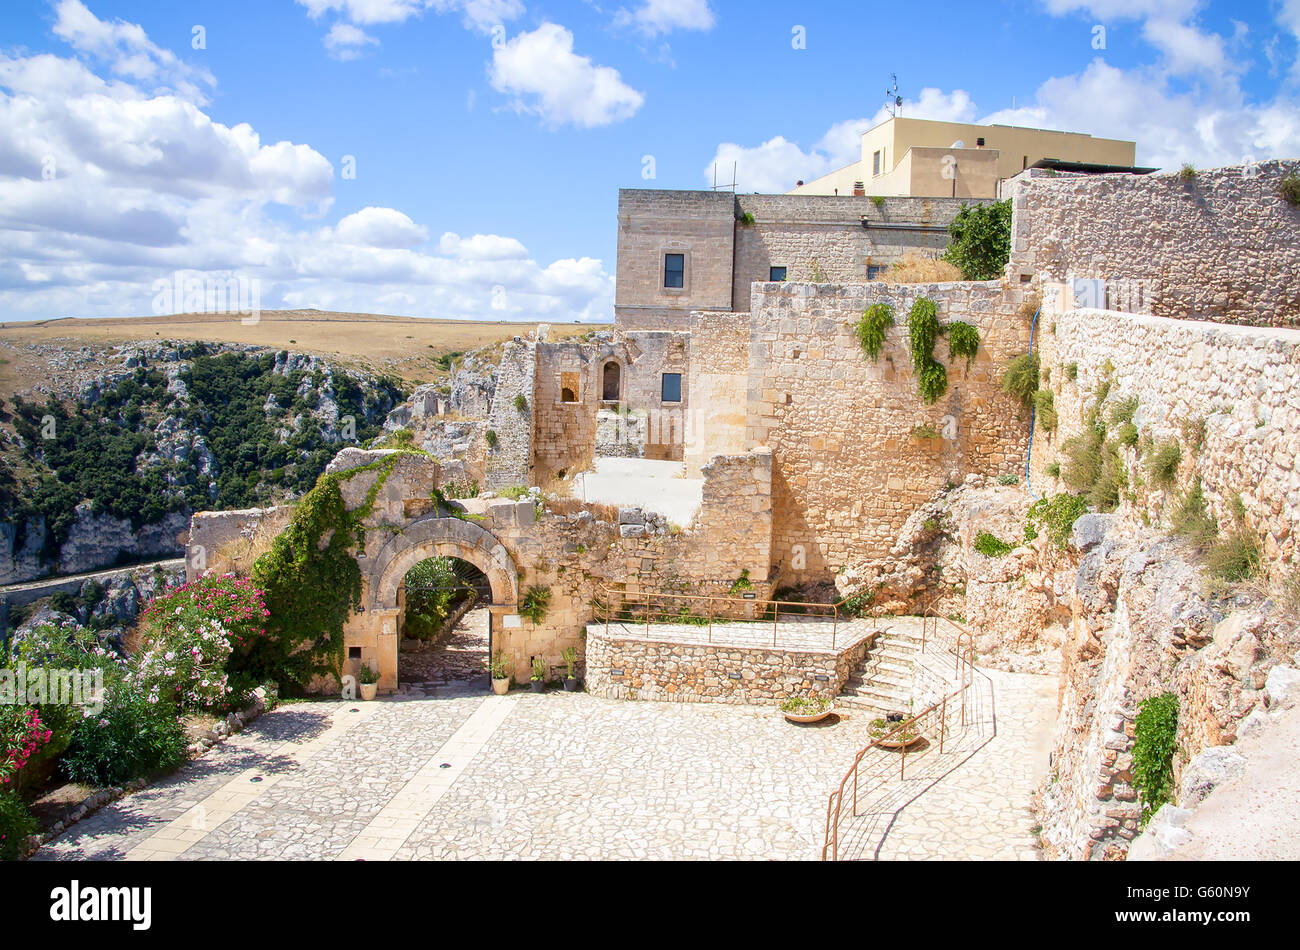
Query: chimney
[[859, 190]]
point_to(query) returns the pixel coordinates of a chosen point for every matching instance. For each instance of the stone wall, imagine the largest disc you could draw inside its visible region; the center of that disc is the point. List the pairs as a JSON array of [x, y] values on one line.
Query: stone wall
[[625, 667], [510, 462], [824, 239], [651, 223], [1222, 246], [719, 360], [1240, 381], [848, 465], [229, 541]]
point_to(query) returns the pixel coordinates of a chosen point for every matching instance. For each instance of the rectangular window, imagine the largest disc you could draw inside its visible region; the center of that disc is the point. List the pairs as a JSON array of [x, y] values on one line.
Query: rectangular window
[[570, 388], [776, 273], [671, 388], [875, 270], [875, 163], [674, 270]]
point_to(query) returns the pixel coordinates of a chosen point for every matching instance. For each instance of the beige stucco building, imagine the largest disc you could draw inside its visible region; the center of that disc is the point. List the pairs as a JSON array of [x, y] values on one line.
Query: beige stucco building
[[923, 158]]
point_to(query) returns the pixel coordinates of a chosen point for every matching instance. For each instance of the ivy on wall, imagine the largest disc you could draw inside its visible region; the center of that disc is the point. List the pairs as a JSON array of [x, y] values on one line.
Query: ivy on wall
[[923, 330], [311, 579]]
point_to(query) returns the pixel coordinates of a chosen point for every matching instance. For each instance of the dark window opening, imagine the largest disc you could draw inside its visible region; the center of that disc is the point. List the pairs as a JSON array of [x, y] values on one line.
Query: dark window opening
[[776, 273], [609, 384], [875, 270], [674, 270], [671, 387]]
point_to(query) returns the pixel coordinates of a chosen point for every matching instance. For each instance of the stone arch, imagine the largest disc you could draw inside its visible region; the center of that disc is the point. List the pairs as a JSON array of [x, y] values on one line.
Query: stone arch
[[611, 381], [441, 537]]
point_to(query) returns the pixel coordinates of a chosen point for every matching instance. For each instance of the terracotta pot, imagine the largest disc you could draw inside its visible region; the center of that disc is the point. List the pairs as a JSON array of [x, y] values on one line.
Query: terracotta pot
[[501, 687], [368, 691]]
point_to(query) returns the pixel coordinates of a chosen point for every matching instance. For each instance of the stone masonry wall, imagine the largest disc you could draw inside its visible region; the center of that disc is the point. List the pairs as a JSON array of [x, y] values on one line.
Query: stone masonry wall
[[822, 238], [1239, 380], [651, 223], [510, 462], [848, 469], [719, 361], [1222, 246], [631, 668]]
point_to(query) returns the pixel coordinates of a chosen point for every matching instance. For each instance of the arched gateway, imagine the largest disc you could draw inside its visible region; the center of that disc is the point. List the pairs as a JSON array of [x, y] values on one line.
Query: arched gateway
[[384, 571]]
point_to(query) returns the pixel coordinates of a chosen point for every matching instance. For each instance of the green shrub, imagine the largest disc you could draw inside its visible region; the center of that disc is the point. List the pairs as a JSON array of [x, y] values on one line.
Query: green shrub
[[1289, 189], [925, 432], [1021, 378], [1191, 519], [1124, 410], [16, 826], [491, 438], [1056, 515], [1045, 406], [535, 603], [1007, 479], [1053, 469], [1111, 481], [131, 738], [980, 240], [1072, 372], [521, 402], [878, 200], [872, 326], [963, 341], [1128, 434], [991, 546], [1154, 737], [1187, 172], [514, 492], [1083, 456], [1163, 464], [1194, 433], [1237, 555]]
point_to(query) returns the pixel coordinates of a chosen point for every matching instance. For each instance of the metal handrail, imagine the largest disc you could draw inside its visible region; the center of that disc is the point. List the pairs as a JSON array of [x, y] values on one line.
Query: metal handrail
[[644, 601], [964, 649]]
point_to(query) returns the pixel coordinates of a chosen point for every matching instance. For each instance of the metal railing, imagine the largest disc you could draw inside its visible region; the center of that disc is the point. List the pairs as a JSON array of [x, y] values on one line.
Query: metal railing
[[932, 720], [709, 611]]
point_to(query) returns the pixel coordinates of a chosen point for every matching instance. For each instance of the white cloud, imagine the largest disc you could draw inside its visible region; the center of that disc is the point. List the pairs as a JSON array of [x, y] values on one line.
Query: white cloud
[[366, 12], [345, 41], [381, 227], [481, 247], [481, 15], [655, 17], [128, 51], [776, 165], [1170, 127], [107, 185], [549, 80]]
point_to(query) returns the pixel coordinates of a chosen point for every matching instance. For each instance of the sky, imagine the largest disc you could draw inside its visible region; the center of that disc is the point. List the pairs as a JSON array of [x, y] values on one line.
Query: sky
[[462, 158]]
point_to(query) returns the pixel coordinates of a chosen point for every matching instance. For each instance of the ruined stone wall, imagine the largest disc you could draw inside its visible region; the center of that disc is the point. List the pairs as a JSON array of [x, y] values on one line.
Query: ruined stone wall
[[848, 469], [1240, 381], [822, 238], [719, 364], [228, 541], [1221, 246], [565, 397], [650, 355], [510, 461]]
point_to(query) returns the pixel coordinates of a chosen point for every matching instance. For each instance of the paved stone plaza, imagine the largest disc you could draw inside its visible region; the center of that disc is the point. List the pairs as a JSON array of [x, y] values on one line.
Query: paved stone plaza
[[444, 771]]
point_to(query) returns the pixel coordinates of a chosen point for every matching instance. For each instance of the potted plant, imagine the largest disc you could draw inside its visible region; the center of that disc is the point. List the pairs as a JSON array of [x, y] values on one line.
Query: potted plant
[[500, 668], [805, 708], [368, 677], [538, 679], [570, 657], [895, 731]]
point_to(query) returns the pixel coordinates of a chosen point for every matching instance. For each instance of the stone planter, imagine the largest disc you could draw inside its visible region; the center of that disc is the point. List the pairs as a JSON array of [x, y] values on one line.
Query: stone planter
[[811, 717], [369, 690], [501, 687]]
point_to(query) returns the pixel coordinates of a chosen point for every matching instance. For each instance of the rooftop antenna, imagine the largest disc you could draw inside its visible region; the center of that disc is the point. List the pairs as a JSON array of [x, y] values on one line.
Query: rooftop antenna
[[895, 101], [731, 185]]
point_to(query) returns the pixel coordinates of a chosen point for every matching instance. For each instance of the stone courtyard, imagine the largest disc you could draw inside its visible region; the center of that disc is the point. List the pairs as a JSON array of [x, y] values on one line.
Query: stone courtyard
[[446, 772]]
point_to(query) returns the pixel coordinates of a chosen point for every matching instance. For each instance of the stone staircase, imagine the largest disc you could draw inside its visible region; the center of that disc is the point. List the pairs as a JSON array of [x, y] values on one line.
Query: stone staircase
[[883, 681]]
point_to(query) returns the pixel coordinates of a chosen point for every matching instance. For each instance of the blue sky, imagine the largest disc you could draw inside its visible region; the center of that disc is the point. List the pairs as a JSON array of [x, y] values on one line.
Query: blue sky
[[489, 137]]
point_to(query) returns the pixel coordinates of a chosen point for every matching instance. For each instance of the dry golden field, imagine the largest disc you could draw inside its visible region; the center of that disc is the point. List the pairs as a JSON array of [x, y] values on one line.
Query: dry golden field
[[407, 347]]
